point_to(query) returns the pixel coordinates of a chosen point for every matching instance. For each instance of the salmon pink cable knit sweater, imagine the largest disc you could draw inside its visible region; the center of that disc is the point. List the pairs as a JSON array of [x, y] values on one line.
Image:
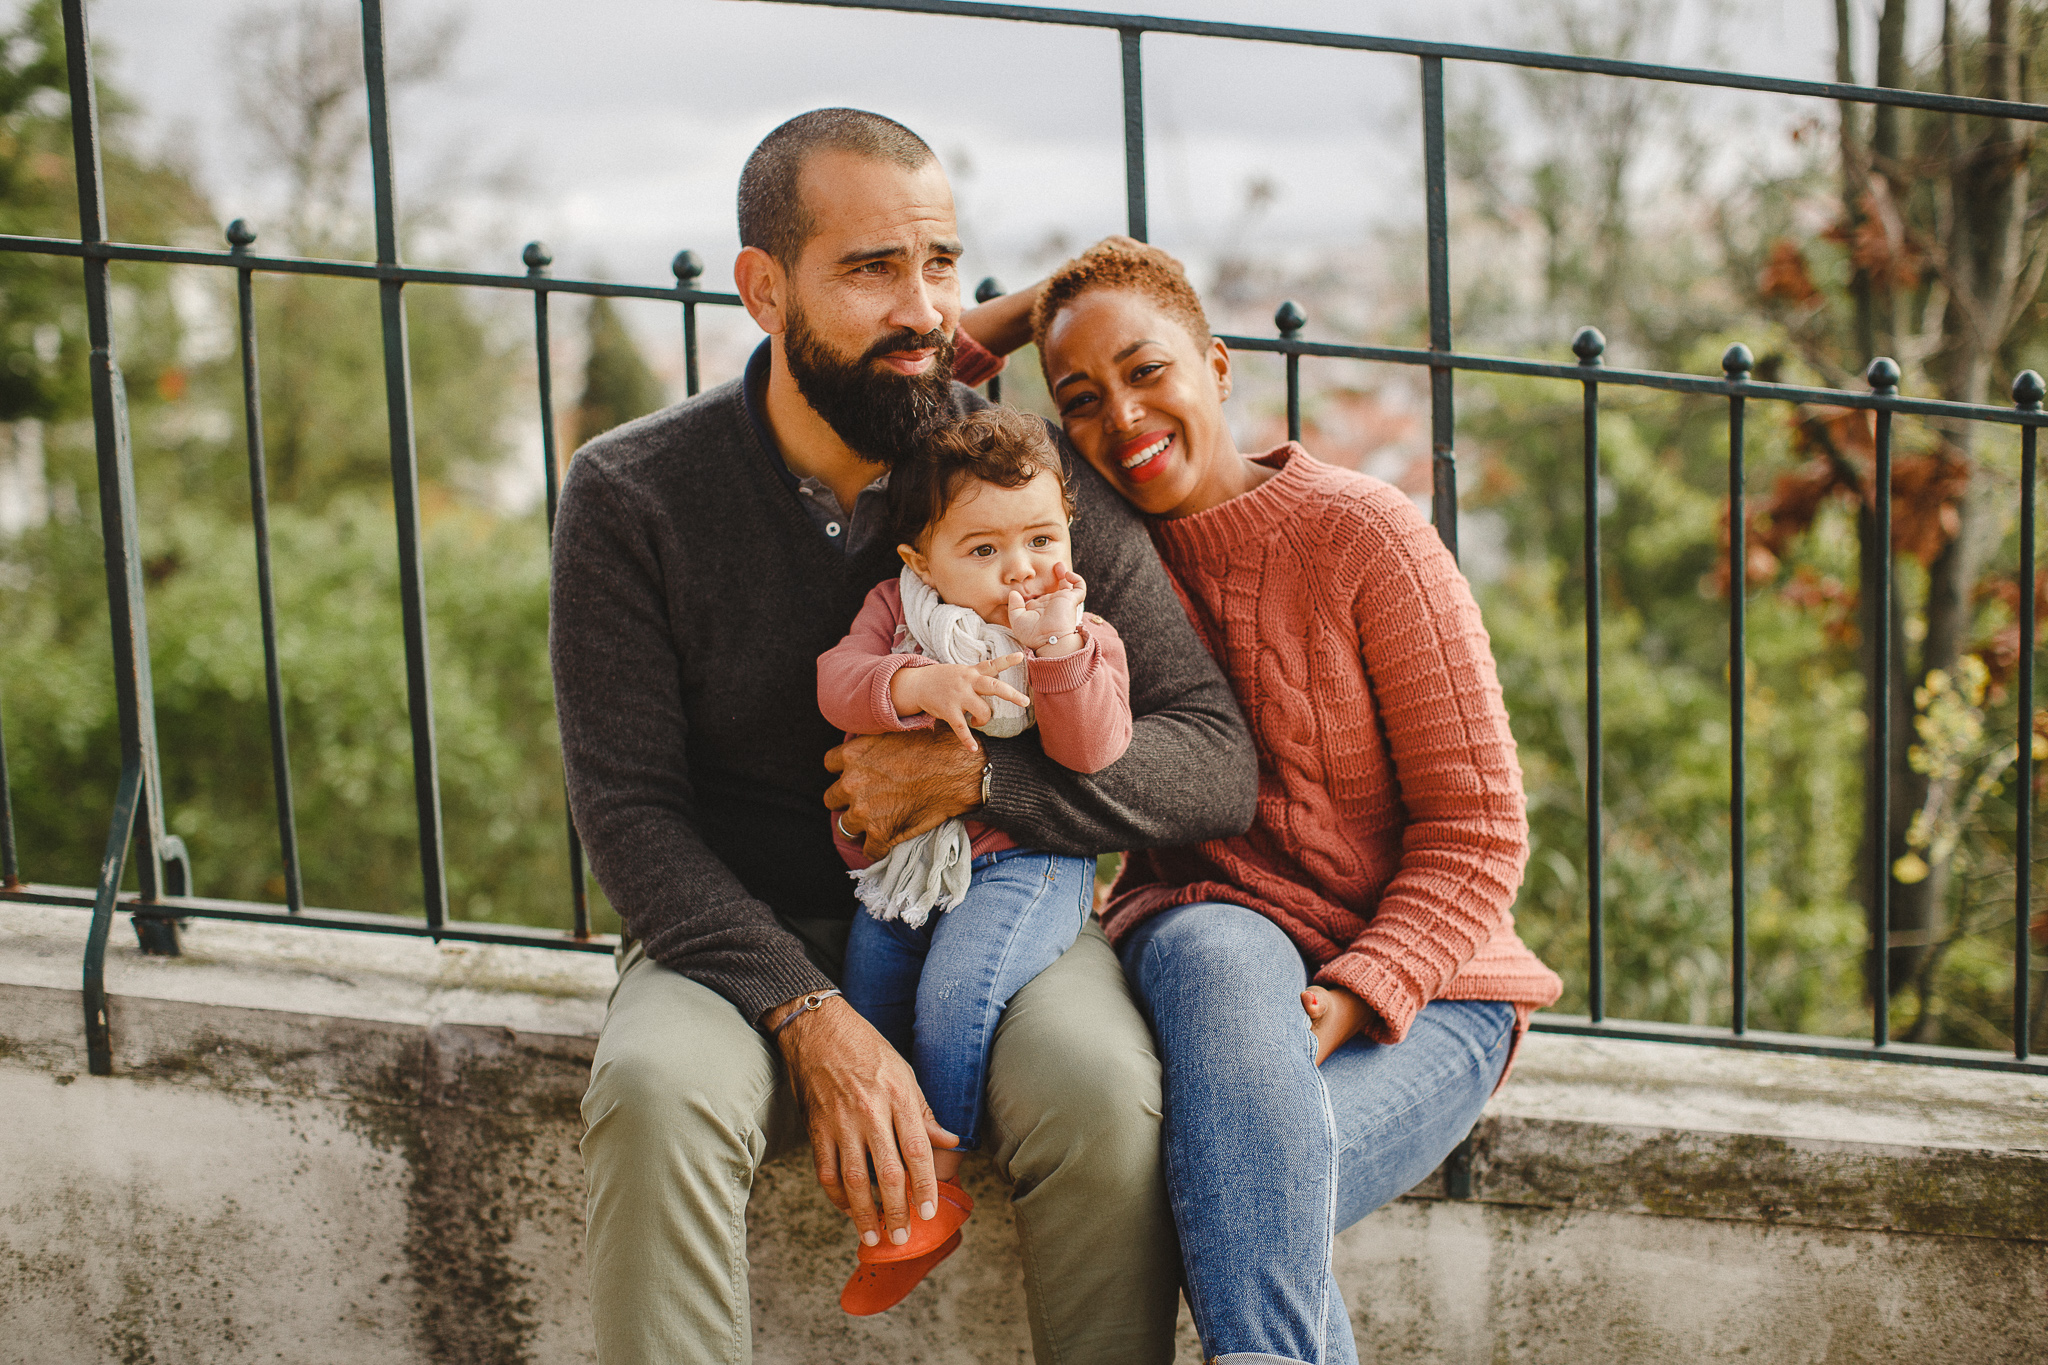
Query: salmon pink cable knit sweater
[[1390, 834]]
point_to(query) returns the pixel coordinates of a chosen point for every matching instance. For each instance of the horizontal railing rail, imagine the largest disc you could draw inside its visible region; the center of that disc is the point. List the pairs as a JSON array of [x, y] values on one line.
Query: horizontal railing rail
[[358, 270], [165, 892]]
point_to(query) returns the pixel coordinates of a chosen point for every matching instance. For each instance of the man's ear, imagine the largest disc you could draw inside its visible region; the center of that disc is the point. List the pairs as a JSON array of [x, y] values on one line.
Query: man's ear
[[763, 287], [919, 565]]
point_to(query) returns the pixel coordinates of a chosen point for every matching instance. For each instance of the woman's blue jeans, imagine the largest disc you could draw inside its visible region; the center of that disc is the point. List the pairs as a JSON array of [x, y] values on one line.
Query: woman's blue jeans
[[937, 992], [1268, 1155]]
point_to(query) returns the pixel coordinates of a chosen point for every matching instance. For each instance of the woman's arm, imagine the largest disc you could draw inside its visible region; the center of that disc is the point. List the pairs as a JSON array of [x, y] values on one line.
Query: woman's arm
[[854, 675], [1438, 696], [1003, 324]]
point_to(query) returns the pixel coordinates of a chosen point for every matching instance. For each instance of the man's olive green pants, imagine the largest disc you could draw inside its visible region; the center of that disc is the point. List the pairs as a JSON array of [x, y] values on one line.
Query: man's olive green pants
[[687, 1099]]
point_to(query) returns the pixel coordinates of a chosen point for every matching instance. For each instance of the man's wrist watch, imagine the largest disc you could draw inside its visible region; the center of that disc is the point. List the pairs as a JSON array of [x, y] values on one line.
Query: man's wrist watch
[[988, 772]]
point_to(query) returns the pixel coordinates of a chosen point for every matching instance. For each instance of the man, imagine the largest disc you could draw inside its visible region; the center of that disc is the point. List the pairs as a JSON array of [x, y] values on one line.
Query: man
[[704, 557]]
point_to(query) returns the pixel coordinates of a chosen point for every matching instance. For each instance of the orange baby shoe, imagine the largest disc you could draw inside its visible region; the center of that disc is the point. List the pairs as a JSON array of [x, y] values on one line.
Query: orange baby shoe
[[886, 1273]]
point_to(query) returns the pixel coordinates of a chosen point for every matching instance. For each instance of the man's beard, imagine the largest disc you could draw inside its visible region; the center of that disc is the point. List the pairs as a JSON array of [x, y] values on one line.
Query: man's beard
[[880, 413]]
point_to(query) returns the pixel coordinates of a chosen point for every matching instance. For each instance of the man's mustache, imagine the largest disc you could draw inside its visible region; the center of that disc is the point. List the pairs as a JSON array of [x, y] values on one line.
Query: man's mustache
[[933, 340]]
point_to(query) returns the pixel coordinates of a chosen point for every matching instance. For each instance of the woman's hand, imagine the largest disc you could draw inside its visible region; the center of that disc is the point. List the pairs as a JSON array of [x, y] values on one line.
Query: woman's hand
[[955, 693], [1055, 614], [1334, 1014]]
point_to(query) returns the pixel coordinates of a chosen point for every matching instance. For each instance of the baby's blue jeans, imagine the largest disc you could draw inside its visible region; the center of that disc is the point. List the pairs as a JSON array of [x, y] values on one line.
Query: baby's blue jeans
[[1268, 1156], [937, 992]]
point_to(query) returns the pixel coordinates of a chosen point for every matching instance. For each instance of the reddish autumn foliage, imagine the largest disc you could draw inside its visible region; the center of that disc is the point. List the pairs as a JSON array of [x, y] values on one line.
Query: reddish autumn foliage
[[1842, 448], [1785, 276], [1879, 243]]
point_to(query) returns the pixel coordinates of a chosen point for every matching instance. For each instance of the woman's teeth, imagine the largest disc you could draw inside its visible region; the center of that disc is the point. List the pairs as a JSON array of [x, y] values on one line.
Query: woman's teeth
[[1145, 455]]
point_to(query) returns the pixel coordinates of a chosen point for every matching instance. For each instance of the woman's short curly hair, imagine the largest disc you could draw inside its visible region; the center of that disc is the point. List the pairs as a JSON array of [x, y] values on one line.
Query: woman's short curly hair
[[1121, 263]]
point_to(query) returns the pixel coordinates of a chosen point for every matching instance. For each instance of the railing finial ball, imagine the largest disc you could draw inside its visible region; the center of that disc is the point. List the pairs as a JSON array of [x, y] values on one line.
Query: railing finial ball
[[1289, 318], [689, 267], [1883, 375], [1737, 362], [2028, 390], [990, 288], [1588, 345], [537, 257], [240, 234]]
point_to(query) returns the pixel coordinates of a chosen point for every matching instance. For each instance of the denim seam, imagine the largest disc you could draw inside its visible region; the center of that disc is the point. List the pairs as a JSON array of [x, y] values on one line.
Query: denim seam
[[1329, 1202]]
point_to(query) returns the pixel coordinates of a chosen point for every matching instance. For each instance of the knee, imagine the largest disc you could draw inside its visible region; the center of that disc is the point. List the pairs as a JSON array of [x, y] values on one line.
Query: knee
[[1218, 950], [1092, 1121], [644, 1098]]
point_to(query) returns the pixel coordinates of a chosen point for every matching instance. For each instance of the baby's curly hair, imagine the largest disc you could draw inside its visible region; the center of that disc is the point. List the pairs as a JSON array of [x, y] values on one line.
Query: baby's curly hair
[[996, 445], [1121, 263]]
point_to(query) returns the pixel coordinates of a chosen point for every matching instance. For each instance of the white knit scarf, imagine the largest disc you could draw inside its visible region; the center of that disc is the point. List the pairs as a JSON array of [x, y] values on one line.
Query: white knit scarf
[[932, 871]]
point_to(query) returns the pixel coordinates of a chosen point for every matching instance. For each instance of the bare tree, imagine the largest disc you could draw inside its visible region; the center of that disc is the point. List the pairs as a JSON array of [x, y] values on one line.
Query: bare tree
[[298, 71]]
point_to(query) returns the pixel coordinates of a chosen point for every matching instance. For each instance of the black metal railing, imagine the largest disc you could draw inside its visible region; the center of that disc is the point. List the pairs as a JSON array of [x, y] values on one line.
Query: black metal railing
[[162, 867]]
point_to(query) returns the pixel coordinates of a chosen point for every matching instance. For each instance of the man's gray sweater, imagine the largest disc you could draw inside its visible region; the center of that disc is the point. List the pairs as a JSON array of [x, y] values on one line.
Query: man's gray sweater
[[691, 598]]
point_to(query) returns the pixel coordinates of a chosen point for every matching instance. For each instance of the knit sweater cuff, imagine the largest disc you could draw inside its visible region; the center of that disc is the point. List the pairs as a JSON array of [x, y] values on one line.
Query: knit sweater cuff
[[882, 703], [776, 980], [1395, 1001], [1066, 672]]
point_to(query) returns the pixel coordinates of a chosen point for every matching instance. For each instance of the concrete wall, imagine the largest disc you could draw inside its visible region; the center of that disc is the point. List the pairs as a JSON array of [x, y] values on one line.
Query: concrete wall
[[323, 1147]]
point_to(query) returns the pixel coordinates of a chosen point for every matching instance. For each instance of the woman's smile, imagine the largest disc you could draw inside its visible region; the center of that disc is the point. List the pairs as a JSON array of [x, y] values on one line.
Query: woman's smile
[[1143, 458]]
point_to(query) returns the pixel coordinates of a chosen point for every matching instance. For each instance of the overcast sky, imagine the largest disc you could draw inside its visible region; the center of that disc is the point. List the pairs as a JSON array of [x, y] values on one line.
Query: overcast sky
[[628, 119], [625, 122]]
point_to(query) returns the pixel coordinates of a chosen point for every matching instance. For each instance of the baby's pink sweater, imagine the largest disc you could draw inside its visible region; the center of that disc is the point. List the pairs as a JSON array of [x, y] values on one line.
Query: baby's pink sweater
[[1082, 700]]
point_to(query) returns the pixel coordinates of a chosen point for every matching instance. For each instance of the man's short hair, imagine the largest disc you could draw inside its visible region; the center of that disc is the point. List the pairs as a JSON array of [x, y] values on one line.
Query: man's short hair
[[773, 215]]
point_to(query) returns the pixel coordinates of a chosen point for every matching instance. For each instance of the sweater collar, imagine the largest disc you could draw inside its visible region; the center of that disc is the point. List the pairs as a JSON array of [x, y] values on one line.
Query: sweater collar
[[1248, 517]]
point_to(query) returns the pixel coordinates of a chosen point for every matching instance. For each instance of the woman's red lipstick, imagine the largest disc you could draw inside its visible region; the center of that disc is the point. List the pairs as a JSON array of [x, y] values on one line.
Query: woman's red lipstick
[[1144, 458]]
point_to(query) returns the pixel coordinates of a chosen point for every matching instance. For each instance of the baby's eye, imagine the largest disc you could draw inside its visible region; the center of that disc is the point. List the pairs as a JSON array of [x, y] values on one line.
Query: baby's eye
[[1040, 542], [982, 551]]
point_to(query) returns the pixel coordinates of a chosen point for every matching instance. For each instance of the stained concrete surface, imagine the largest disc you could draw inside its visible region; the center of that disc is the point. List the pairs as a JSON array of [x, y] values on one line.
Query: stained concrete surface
[[322, 1146]]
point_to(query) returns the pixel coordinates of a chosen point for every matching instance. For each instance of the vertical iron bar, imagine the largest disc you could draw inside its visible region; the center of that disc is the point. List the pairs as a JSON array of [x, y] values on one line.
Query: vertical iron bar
[[240, 236], [10, 861], [134, 693], [405, 478], [1134, 132], [1883, 375], [537, 262], [2027, 393], [987, 291], [1736, 363], [99, 1034], [117, 524], [1289, 318], [1588, 345], [1443, 458], [688, 270]]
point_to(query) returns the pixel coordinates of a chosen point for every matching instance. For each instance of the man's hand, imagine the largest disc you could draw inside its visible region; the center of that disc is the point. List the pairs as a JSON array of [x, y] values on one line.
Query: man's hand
[[1334, 1015], [895, 787], [863, 1105], [955, 693]]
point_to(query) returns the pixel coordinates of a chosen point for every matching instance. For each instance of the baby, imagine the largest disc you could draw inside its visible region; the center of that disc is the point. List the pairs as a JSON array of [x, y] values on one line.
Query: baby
[[983, 629]]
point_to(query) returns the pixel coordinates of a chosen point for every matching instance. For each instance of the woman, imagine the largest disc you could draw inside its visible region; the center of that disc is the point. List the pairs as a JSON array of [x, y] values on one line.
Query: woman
[[1337, 991]]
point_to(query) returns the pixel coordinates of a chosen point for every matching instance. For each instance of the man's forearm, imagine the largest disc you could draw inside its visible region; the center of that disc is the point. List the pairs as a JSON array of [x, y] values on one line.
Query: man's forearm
[[1190, 774]]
